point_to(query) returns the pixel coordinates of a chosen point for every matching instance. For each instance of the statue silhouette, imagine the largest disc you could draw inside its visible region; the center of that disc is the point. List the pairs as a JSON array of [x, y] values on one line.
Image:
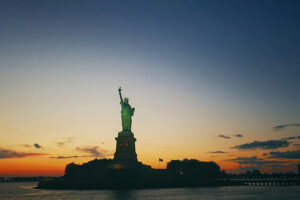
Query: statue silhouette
[[126, 113]]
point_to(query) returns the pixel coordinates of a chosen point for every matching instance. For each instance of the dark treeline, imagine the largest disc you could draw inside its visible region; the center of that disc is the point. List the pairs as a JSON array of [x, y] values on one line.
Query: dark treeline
[[194, 169], [94, 168]]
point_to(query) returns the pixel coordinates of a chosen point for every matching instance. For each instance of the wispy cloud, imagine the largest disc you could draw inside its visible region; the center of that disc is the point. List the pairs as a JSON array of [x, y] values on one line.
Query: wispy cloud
[[224, 136], [217, 152], [7, 153], [60, 144], [67, 140], [280, 127], [94, 151], [25, 145], [269, 144], [286, 154]]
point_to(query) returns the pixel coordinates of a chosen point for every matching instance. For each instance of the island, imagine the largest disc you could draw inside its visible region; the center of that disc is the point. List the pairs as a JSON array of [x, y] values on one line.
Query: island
[[124, 171]]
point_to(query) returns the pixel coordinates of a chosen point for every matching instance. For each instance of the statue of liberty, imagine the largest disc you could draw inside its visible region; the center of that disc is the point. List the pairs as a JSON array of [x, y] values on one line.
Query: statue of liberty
[[126, 113]]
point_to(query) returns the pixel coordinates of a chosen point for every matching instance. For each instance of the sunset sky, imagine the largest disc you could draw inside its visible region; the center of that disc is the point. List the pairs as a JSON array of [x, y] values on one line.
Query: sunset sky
[[211, 80]]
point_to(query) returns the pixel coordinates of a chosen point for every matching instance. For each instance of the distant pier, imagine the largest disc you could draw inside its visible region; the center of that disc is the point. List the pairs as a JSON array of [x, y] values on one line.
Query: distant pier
[[24, 179], [268, 182]]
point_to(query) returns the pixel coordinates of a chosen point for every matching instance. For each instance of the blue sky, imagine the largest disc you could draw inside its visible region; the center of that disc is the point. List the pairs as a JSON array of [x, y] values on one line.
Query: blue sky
[[235, 46]]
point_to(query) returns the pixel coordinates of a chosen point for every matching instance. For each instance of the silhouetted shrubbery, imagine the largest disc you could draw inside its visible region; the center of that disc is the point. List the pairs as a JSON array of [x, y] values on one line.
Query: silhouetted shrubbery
[[92, 169]]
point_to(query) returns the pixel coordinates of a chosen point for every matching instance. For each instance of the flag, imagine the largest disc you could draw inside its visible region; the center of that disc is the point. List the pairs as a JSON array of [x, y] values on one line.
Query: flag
[[160, 160]]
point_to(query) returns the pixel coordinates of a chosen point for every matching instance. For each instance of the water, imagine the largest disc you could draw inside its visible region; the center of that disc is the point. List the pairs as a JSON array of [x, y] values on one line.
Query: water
[[24, 191]]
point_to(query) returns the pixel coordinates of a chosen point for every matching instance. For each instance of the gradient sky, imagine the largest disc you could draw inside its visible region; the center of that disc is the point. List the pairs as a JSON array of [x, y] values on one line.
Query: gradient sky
[[197, 72]]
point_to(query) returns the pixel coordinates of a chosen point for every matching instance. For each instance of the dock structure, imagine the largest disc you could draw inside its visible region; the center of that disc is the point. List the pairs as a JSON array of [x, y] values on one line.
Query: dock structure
[[269, 182]]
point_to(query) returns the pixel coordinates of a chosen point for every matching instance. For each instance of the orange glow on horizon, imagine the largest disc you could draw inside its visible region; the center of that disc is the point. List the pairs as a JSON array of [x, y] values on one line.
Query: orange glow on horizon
[[30, 167], [44, 167], [40, 167]]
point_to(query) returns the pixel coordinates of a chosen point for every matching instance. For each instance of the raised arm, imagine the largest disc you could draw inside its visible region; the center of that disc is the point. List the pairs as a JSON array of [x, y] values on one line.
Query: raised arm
[[120, 94]]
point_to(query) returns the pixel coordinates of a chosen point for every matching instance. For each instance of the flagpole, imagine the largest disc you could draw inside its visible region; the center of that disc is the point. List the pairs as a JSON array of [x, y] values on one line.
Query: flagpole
[[159, 160], [158, 164]]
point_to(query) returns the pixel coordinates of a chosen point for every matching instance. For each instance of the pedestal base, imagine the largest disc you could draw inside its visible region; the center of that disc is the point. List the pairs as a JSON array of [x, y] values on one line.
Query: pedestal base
[[125, 149]]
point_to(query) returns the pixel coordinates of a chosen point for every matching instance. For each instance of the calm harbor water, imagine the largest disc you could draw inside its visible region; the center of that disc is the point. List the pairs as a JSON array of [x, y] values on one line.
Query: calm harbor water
[[23, 191]]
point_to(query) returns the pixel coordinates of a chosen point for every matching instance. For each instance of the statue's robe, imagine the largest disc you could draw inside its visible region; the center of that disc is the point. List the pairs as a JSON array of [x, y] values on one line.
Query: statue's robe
[[126, 114]]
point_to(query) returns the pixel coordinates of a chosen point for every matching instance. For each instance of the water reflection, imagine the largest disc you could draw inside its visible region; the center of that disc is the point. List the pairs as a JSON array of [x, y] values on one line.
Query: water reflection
[[25, 191], [122, 194]]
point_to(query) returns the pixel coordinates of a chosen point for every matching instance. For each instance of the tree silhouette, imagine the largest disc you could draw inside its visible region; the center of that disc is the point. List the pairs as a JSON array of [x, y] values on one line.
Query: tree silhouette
[[194, 169]]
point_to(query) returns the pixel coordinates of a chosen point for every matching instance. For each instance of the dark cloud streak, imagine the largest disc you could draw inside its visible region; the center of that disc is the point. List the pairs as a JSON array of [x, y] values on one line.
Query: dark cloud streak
[[291, 138], [269, 144], [248, 163], [7, 153], [238, 135], [217, 152], [66, 157], [286, 154], [280, 127], [224, 136]]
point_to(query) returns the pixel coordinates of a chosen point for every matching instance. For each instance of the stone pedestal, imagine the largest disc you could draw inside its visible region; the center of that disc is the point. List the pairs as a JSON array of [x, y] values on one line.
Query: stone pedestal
[[125, 149]]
